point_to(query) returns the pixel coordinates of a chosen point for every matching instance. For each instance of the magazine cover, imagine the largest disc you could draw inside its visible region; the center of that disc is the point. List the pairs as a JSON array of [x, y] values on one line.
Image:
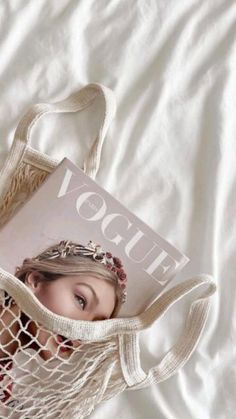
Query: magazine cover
[[69, 205]]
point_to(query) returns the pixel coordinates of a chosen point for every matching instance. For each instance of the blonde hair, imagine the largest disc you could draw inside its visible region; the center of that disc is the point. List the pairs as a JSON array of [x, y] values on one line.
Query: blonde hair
[[52, 269]]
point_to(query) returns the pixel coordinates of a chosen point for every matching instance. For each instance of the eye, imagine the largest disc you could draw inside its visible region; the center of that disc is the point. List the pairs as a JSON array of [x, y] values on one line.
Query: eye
[[81, 299]]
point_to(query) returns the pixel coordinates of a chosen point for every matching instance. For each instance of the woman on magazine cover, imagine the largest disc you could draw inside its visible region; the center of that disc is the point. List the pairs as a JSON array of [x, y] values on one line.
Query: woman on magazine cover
[[75, 281]]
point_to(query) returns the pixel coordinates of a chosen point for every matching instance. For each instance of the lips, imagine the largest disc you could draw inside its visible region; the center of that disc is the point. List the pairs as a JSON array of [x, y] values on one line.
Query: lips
[[67, 342]]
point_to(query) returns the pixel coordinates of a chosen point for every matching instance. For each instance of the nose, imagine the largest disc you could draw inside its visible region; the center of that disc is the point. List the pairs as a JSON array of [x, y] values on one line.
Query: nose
[[88, 317], [95, 317]]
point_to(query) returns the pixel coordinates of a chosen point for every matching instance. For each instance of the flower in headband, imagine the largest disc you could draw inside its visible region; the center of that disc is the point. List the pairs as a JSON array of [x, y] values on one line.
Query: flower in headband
[[93, 251]]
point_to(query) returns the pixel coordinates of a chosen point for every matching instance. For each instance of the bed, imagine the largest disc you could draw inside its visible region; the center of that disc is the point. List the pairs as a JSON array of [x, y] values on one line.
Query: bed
[[169, 155]]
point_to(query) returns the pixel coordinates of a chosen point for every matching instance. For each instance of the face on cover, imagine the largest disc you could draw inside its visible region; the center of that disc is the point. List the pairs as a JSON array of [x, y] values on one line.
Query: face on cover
[[78, 297]]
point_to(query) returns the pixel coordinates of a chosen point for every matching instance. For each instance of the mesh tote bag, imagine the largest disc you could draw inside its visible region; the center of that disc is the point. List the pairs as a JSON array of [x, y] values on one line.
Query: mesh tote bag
[[107, 361]]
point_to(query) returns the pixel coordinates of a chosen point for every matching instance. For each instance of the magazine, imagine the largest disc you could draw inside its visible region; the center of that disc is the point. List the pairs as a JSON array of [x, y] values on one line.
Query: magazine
[[69, 205]]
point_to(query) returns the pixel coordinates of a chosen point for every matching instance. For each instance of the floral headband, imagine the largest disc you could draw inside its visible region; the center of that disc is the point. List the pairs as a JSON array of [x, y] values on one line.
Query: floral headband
[[92, 250]]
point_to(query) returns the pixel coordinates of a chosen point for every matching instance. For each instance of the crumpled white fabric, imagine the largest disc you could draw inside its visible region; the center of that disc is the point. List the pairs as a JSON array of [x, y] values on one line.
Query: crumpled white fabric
[[169, 156]]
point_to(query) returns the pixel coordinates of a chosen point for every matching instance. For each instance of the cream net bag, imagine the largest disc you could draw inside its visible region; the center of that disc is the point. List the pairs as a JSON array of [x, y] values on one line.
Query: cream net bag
[[107, 361]]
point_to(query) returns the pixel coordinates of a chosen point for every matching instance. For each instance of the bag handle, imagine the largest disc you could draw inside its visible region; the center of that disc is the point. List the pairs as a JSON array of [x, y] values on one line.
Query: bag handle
[[87, 330], [181, 351], [75, 102]]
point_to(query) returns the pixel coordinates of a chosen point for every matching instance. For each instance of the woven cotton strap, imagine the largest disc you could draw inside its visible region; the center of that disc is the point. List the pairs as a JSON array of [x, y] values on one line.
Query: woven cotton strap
[[91, 331], [181, 351], [75, 102]]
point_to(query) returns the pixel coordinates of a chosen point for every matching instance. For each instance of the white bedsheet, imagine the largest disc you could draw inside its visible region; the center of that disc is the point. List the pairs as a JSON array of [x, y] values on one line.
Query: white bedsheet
[[169, 156]]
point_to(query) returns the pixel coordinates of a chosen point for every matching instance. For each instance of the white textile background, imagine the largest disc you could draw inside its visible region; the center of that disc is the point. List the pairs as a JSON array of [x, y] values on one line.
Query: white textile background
[[169, 156]]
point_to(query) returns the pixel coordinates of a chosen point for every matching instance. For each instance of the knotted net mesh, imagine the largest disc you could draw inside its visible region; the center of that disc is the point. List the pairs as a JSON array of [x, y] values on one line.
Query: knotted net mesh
[[23, 183], [45, 375]]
